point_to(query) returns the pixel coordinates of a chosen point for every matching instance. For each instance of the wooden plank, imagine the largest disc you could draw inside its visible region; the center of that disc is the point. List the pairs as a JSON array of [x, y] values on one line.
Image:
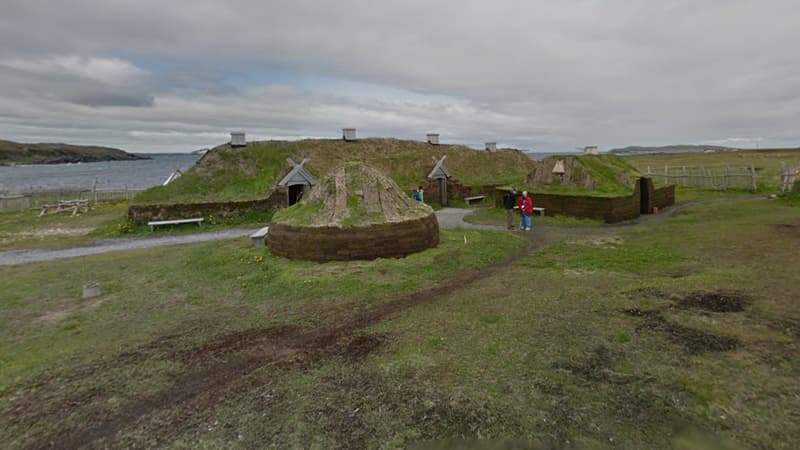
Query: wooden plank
[[477, 197], [153, 224]]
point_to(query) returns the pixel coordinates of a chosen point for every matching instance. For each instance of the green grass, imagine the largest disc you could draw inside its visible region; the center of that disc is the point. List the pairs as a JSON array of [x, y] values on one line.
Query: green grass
[[538, 351], [791, 199], [142, 299], [497, 216], [612, 175], [249, 173], [24, 229], [766, 162]]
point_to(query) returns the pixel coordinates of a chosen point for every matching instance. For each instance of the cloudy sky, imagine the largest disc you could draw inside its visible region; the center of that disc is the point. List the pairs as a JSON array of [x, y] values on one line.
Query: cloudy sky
[[176, 75]]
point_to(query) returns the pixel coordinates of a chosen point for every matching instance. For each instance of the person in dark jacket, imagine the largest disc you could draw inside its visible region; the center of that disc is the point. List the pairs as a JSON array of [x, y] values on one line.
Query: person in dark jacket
[[509, 201]]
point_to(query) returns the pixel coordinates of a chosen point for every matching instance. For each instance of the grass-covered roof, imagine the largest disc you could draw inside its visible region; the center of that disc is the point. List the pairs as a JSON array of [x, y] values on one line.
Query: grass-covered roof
[[247, 173]]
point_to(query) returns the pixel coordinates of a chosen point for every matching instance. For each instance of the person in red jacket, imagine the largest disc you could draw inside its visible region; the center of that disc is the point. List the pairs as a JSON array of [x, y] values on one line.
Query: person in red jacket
[[525, 205]]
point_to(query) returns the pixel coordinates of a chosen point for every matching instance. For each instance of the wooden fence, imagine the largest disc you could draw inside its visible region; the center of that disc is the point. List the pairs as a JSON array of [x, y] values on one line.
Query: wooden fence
[[35, 200], [704, 178], [789, 176]]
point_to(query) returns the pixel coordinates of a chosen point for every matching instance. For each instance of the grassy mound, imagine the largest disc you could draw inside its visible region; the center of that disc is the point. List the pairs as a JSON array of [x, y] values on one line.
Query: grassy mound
[[600, 174], [248, 173], [353, 194]]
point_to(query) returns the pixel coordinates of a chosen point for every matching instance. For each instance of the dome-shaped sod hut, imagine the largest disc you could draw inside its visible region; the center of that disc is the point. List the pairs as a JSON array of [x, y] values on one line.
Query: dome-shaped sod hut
[[355, 212]]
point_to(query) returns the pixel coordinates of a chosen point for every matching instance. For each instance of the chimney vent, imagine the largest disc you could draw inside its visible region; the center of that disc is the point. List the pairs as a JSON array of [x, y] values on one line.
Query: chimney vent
[[237, 139], [349, 134]]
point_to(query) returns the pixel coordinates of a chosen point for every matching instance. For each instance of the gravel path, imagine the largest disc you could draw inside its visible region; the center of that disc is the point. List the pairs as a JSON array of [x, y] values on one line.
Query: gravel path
[[454, 218]]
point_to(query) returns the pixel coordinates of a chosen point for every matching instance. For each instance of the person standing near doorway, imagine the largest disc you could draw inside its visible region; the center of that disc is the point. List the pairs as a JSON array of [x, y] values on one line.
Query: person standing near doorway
[[419, 195], [509, 201], [525, 204]]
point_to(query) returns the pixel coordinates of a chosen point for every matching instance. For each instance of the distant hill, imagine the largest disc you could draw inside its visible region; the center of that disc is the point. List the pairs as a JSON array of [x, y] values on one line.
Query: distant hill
[[642, 150], [18, 153], [247, 173]]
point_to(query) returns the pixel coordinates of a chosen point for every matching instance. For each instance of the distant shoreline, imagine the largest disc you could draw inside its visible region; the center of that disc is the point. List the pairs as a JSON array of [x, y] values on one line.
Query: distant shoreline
[[71, 160], [15, 153]]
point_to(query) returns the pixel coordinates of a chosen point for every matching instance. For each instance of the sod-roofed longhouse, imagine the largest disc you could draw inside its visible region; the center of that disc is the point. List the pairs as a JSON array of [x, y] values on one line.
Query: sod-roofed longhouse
[[355, 212]]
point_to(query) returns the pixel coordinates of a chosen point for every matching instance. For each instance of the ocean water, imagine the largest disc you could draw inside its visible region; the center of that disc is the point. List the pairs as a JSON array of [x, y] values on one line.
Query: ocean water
[[538, 156], [110, 175]]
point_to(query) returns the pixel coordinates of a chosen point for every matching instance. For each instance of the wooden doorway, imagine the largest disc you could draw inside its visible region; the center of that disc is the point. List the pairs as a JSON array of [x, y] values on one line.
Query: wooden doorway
[[295, 193], [644, 196]]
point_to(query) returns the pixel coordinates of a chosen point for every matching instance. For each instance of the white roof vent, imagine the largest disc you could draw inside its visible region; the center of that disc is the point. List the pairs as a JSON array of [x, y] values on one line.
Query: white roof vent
[[491, 147], [433, 138], [349, 134], [237, 139]]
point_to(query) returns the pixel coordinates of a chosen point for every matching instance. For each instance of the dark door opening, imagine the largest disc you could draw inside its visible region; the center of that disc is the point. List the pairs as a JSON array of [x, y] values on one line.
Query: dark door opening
[[295, 193], [644, 196]]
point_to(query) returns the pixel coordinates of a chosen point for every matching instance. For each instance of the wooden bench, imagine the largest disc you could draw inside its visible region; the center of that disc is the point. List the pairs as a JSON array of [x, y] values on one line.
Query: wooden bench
[[77, 205], [153, 224], [475, 198], [258, 237]]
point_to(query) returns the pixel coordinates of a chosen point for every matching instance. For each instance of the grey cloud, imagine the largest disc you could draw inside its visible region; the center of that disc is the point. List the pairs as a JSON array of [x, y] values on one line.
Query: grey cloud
[[96, 82], [533, 73]]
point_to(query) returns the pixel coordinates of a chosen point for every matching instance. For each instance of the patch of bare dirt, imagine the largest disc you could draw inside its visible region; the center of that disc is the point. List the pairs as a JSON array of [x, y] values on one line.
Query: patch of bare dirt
[[693, 340], [715, 301], [233, 342], [788, 229], [596, 366], [361, 345]]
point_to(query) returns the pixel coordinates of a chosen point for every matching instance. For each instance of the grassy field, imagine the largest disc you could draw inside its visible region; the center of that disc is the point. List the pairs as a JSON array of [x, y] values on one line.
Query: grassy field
[[766, 162], [250, 172], [497, 216], [25, 230], [678, 333]]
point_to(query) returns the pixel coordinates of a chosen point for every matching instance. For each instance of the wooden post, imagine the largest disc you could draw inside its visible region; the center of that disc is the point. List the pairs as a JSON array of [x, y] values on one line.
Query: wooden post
[[683, 179], [727, 177], [666, 174], [443, 191], [784, 174], [753, 175]]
